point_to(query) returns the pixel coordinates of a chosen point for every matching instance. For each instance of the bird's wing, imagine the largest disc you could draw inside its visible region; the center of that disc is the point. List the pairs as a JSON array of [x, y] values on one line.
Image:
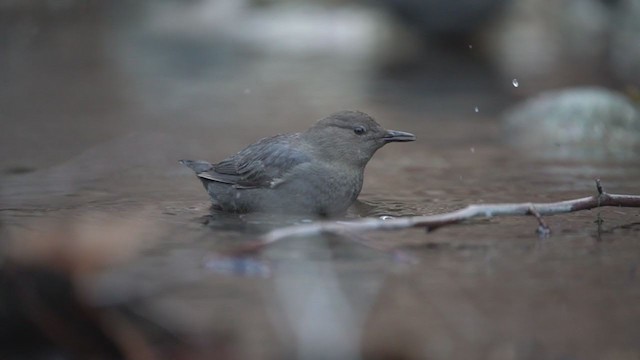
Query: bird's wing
[[261, 165]]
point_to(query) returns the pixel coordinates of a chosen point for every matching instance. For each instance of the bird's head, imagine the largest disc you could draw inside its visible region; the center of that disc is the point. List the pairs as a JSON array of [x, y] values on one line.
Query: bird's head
[[350, 137]]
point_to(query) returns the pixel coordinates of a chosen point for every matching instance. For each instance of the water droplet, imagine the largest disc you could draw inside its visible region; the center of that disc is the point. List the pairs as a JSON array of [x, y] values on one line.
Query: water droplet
[[476, 109], [470, 46], [247, 91], [473, 150], [515, 83], [386, 217]]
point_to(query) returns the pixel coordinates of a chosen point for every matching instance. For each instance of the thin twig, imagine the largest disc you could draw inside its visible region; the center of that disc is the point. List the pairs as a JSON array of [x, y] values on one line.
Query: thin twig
[[543, 228], [599, 219], [472, 211], [599, 187]]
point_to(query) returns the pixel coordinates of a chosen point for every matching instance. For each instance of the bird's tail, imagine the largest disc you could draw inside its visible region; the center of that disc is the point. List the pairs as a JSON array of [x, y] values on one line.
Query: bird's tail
[[199, 166]]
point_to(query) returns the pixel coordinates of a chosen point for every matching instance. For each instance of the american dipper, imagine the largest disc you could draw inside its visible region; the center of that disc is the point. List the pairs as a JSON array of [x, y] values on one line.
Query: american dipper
[[318, 171]]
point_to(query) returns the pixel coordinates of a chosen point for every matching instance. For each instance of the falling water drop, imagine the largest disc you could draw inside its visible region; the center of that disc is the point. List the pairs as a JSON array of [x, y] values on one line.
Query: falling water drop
[[476, 109], [515, 83]]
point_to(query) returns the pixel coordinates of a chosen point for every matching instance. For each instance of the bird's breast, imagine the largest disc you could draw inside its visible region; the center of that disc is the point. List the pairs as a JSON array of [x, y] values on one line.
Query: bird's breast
[[329, 187]]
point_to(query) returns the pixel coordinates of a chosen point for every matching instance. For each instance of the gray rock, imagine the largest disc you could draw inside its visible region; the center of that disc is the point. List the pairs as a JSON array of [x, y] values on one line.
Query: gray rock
[[576, 123]]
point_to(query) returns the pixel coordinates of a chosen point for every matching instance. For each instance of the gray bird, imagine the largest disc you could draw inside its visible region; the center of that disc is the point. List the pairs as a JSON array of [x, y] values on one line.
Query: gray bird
[[318, 171]]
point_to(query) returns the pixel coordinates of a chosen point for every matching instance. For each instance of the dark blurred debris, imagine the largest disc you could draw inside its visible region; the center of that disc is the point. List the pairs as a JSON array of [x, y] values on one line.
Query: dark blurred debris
[[18, 170], [55, 303], [41, 314], [43, 279]]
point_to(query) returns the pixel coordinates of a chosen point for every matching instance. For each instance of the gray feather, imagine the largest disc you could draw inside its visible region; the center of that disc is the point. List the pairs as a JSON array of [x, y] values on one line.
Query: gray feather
[[260, 165]]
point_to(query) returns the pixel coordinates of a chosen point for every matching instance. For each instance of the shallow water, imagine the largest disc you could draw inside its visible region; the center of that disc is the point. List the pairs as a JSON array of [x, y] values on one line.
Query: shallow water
[[90, 169]]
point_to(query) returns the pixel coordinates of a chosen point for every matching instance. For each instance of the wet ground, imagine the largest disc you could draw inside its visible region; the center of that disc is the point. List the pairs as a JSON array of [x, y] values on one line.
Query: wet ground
[[92, 129]]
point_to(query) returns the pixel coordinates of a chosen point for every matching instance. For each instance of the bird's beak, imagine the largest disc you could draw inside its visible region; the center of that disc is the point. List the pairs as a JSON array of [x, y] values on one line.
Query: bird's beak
[[401, 136]]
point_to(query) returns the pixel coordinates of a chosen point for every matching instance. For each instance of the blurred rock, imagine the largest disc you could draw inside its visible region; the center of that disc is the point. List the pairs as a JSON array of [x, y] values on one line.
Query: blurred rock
[[289, 28], [576, 123], [442, 16], [46, 6], [546, 44], [625, 43]]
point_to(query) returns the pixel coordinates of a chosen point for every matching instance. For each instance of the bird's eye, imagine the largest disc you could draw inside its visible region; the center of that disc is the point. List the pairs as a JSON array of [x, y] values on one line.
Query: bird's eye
[[359, 130]]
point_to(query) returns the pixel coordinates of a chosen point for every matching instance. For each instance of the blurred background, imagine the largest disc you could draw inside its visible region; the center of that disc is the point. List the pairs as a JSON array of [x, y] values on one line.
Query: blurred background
[[109, 249]]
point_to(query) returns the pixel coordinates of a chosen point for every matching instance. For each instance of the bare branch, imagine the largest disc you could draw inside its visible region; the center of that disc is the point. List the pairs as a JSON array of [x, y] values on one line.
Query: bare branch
[[432, 222]]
